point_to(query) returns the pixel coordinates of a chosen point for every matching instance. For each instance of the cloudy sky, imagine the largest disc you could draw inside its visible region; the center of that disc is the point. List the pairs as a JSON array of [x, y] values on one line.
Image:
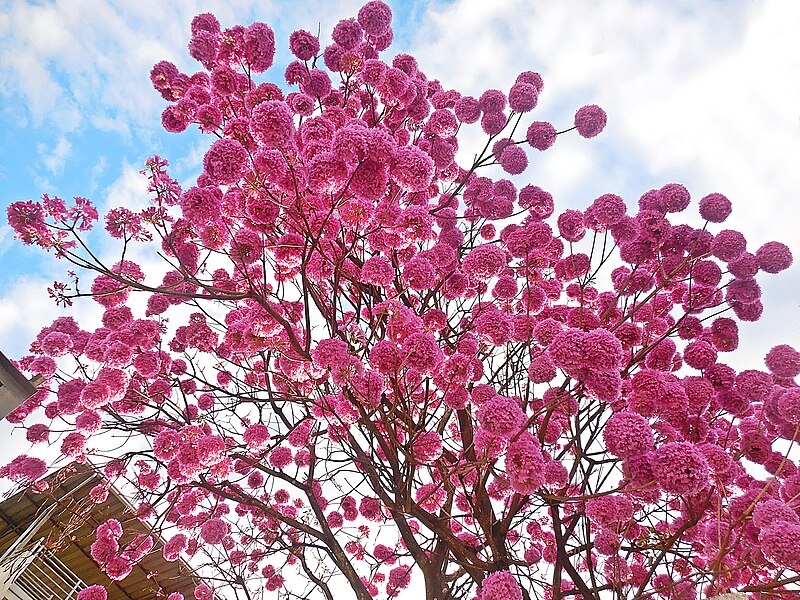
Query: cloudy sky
[[700, 92]]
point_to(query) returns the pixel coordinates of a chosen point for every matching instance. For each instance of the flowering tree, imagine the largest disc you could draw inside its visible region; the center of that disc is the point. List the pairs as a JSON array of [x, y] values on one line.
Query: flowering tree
[[369, 367]]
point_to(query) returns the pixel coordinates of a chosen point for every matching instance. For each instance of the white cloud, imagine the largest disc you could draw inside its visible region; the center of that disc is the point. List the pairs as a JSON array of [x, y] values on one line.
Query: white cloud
[[6, 238], [694, 94], [70, 59], [56, 157], [97, 172], [26, 308]]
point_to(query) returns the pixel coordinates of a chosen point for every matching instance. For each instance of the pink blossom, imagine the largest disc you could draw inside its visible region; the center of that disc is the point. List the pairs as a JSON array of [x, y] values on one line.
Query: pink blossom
[[335, 519], [513, 160], [743, 291], [628, 434], [203, 46], [373, 72], [57, 343], [73, 445], [531, 78], [542, 369], [715, 208], [26, 468], [226, 161], [541, 135], [780, 543], [259, 47], [500, 585], [399, 579], [118, 568], [699, 355], [88, 421], [728, 245], [377, 270], [256, 436], [166, 444], [754, 385], [107, 291], [347, 33], [412, 169], [442, 122], [93, 592], [375, 18], [280, 457], [774, 257], [610, 510], [272, 124], [571, 225], [174, 547], [406, 63], [200, 205], [522, 97], [783, 361], [370, 509], [707, 273], [501, 416], [318, 84], [493, 123], [427, 447], [38, 433], [117, 318], [578, 352], [384, 554], [505, 288], [303, 44], [103, 549], [204, 22], [419, 274], [430, 497], [537, 201], [525, 465], [326, 173], [770, 511], [210, 450], [494, 327], [484, 262], [590, 120], [467, 109], [674, 197], [214, 530], [492, 101], [679, 468], [456, 397], [787, 403], [384, 357], [422, 352], [296, 72], [607, 210], [224, 80]]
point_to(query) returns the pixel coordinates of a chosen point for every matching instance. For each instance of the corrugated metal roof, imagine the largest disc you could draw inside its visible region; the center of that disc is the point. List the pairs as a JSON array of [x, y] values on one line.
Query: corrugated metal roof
[[14, 388], [70, 532]]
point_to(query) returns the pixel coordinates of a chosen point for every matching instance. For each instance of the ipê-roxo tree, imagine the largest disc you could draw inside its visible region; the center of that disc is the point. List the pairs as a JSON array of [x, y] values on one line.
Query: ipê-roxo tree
[[365, 368]]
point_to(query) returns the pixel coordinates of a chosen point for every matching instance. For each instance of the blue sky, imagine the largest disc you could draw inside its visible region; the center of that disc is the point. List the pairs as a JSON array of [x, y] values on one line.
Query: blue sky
[[699, 92]]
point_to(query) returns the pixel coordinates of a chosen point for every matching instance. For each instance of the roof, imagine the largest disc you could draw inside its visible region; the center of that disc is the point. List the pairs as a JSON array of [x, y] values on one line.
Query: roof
[[14, 388], [70, 531]]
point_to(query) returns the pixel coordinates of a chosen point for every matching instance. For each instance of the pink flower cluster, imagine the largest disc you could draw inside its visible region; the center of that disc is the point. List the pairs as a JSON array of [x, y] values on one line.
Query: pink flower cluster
[[367, 312], [105, 550], [93, 592], [594, 357], [500, 585]]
